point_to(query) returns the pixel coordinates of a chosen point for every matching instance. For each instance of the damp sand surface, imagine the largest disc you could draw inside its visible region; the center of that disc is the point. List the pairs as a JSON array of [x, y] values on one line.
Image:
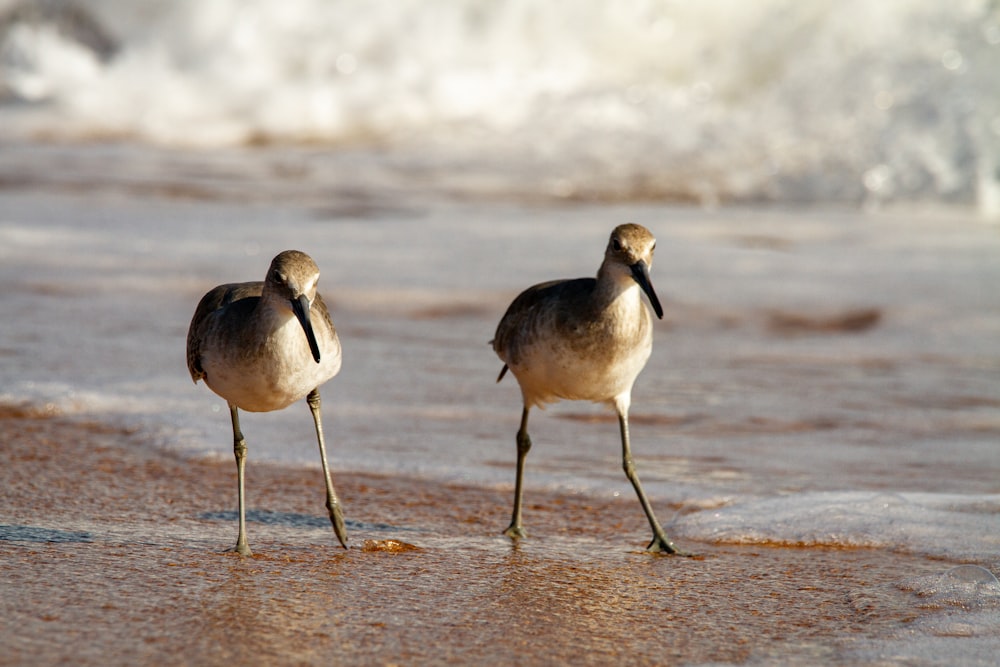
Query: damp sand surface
[[114, 553]]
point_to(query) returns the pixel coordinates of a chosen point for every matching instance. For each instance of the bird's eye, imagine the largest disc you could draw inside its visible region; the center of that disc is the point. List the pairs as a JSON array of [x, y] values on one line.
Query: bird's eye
[[616, 245]]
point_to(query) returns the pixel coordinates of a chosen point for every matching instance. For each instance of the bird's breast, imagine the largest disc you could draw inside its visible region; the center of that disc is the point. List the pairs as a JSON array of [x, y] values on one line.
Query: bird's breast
[[593, 361], [272, 370]]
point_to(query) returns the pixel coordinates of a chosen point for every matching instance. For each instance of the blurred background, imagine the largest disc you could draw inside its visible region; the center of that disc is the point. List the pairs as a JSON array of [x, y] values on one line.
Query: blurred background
[[606, 100]]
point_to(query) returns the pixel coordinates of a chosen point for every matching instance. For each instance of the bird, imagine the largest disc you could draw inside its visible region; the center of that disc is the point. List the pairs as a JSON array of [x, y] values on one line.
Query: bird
[[585, 339], [262, 346]]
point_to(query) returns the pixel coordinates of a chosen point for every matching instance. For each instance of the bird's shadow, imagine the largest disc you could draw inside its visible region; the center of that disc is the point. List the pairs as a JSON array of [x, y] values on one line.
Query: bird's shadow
[[292, 520], [19, 533]]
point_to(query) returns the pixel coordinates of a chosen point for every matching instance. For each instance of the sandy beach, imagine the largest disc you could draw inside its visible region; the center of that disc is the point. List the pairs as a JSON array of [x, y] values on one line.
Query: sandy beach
[[112, 553]]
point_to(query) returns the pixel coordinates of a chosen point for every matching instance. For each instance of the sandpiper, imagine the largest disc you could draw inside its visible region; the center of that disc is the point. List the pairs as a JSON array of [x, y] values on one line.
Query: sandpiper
[[262, 346], [584, 339]]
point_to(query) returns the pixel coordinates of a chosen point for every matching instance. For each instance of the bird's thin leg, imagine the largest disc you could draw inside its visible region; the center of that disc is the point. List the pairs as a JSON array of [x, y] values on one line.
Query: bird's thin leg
[[660, 542], [240, 450], [332, 503], [515, 530]]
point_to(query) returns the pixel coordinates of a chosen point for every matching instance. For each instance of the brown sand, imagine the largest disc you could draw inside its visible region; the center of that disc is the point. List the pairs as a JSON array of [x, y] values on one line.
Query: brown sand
[[112, 553]]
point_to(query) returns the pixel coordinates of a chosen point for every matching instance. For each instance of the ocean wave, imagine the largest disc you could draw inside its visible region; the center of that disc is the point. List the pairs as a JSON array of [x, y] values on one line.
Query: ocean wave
[[624, 99]]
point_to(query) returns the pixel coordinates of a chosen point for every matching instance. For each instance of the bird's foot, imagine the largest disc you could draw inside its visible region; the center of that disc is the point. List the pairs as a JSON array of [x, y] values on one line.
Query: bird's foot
[[337, 519], [661, 544], [241, 548], [515, 532]]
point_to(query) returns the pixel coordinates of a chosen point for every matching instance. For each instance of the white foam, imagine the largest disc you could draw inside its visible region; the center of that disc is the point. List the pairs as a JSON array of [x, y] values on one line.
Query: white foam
[[942, 525], [962, 628], [957, 608], [622, 98]]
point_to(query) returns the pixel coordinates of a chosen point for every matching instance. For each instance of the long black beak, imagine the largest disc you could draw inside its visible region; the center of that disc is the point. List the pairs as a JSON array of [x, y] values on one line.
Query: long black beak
[[641, 274], [301, 308]]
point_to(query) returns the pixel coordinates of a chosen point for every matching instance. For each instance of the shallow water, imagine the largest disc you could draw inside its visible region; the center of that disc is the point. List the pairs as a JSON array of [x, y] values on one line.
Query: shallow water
[[824, 379]]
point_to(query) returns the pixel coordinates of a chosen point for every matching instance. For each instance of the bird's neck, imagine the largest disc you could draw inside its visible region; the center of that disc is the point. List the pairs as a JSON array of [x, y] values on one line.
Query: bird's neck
[[617, 292]]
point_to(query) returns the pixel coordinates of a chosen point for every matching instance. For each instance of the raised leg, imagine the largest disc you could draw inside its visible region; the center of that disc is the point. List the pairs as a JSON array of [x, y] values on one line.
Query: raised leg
[[661, 543], [515, 530], [240, 450], [332, 503]]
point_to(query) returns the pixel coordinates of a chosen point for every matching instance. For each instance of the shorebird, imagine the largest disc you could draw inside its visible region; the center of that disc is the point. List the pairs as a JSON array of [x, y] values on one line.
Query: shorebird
[[585, 339], [262, 346]]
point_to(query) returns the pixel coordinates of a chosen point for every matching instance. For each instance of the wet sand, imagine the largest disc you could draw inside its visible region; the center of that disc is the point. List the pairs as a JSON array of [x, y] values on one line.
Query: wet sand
[[112, 552]]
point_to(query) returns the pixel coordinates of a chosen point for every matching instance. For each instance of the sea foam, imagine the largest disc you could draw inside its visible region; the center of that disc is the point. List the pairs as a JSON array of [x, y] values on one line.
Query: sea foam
[[772, 100]]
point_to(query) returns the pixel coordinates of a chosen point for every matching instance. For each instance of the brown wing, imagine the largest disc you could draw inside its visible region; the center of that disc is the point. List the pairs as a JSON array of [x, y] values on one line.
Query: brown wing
[[521, 321], [219, 297]]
